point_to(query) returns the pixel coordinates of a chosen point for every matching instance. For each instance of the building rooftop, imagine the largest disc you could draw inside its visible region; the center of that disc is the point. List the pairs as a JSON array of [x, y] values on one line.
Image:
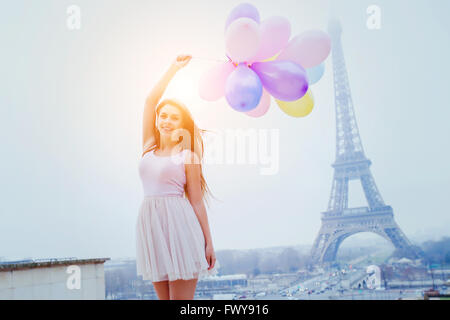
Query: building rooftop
[[227, 277], [41, 263]]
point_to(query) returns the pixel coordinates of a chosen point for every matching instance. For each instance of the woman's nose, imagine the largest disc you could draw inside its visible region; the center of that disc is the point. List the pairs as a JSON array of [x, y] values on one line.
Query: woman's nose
[[166, 122]]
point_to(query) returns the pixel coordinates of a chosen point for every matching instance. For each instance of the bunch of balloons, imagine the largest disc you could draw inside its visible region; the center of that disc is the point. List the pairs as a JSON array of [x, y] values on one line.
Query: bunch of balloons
[[263, 62]]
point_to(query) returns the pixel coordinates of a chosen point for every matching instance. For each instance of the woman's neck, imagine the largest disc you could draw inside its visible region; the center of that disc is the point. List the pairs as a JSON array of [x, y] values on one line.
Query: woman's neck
[[168, 146]]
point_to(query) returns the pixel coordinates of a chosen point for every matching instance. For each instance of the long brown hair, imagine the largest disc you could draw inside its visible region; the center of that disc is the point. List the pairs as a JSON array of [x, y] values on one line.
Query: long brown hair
[[196, 143]]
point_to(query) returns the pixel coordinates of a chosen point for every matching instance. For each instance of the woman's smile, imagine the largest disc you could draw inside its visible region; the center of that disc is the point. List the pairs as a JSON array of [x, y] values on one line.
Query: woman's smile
[[167, 128]]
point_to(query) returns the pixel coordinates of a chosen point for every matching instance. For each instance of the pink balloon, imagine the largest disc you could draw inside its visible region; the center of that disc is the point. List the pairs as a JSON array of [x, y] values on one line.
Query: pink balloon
[[262, 107], [212, 83], [308, 49], [275, 33], [242, 39]]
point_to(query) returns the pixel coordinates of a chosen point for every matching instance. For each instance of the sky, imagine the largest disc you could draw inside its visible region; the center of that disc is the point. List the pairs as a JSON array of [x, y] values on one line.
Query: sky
[[71, 104]]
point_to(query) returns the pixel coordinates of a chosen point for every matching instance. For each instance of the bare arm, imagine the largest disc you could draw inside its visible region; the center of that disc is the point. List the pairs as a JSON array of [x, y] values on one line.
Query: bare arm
[[195, 198], [148, 137]]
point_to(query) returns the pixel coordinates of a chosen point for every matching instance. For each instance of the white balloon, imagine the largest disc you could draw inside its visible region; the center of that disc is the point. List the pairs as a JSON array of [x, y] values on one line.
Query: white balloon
[[242, 39]]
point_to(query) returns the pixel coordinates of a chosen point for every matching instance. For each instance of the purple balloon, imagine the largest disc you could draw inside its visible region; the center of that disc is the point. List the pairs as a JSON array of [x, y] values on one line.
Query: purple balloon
[[244, 10], [284, 80], [243, 89]]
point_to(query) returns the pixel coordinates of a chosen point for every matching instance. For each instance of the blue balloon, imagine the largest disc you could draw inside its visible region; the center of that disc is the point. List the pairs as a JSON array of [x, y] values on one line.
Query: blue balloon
[[315, 74], [243, 89]]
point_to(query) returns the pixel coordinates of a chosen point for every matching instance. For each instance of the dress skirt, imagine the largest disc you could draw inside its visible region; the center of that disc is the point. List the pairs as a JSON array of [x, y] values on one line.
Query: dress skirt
[[169, 241]]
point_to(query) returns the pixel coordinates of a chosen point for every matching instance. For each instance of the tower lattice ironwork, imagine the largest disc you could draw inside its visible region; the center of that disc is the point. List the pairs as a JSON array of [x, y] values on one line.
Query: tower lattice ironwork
[[340, 221]]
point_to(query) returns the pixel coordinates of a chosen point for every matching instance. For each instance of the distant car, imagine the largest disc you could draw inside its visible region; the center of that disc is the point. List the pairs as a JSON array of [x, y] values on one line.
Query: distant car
[[431, 292]]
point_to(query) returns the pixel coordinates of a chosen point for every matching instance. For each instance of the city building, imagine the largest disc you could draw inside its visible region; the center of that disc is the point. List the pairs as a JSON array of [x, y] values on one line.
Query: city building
[[53, 279], [230, 280]]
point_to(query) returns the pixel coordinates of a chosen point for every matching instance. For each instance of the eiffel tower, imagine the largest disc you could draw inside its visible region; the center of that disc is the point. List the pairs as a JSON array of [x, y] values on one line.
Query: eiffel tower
[[340, 221]]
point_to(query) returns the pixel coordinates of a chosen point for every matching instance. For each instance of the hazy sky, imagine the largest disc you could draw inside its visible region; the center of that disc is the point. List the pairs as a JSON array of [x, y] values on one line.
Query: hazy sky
[[71, 121]]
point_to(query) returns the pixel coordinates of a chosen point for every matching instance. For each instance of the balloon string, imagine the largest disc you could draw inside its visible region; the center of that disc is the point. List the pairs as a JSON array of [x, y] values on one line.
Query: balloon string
[[202, 58]]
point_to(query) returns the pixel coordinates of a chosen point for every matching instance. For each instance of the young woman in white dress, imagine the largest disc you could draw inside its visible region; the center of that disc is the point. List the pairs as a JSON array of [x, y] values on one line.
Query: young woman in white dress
[[174, 243]]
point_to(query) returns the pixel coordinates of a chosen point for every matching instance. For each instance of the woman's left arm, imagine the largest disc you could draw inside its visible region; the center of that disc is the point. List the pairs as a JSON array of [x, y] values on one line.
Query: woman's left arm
[[193, 186]]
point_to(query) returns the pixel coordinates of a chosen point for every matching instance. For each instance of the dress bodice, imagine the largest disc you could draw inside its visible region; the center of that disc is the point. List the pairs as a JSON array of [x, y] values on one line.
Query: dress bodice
[[162, 175]]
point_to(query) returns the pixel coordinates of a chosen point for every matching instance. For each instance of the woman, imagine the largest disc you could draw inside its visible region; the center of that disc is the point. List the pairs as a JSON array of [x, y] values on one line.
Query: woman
[[173, 240]]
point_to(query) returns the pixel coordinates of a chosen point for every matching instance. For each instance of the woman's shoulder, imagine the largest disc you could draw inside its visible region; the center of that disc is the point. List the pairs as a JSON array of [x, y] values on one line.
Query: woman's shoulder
[[148, 150]]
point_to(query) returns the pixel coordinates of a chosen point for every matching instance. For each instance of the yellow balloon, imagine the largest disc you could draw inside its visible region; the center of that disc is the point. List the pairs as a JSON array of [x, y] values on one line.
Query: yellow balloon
[[298, 108], [271, 59]]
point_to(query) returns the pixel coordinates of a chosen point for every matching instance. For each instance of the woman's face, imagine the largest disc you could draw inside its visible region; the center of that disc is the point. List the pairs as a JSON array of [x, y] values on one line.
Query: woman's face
[[169, 119]]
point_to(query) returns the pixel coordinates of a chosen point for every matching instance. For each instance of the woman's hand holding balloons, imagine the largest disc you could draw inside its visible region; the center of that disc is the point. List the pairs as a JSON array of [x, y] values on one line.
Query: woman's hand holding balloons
[[181, 61]]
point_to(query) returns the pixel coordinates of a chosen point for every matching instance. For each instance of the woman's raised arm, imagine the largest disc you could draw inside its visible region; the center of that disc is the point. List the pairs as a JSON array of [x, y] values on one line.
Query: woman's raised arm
[[148, 136]]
